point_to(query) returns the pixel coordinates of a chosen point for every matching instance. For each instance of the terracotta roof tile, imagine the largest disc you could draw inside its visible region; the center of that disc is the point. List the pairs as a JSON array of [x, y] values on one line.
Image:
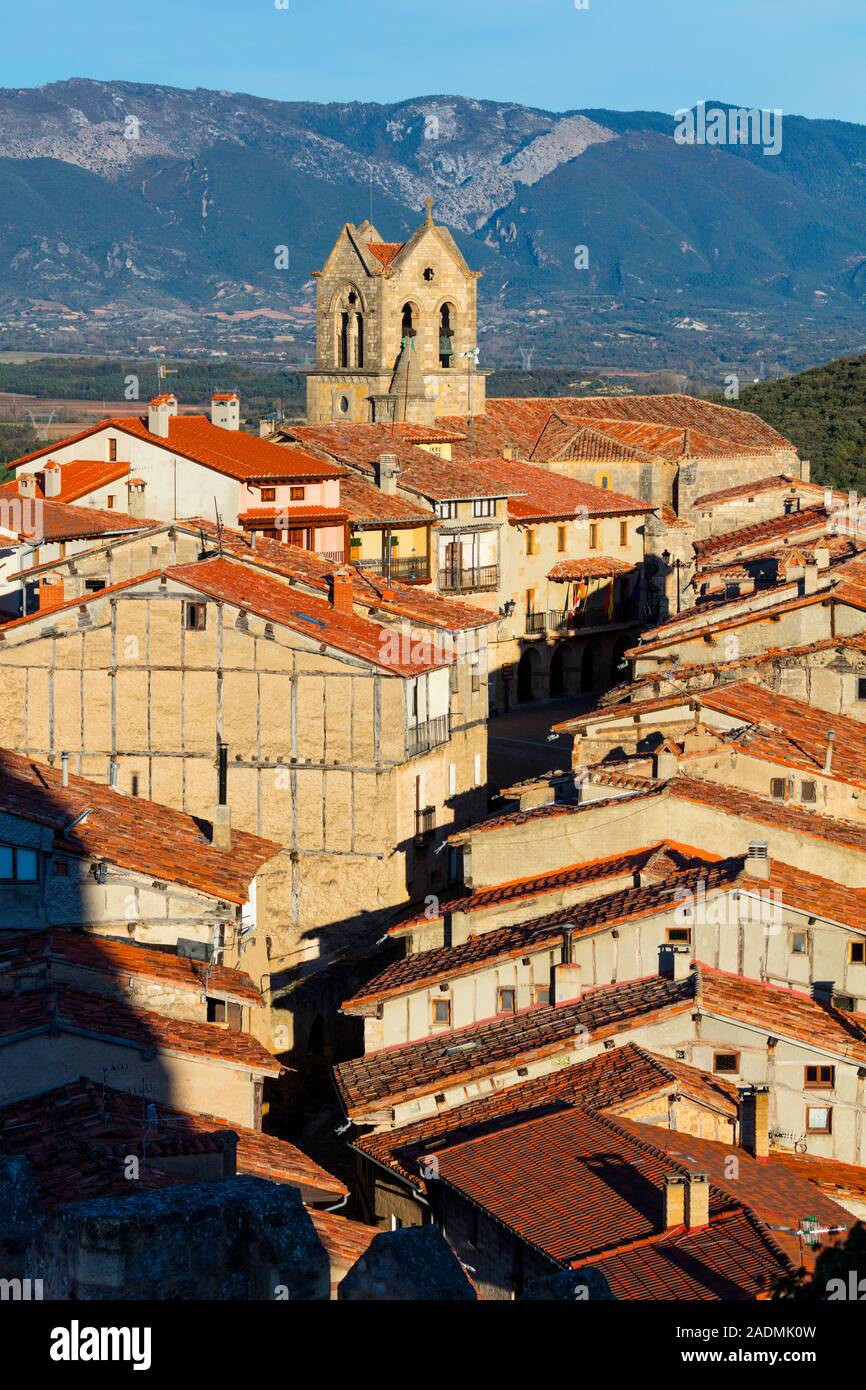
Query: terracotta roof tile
[[593, 567], [131, 832], [77, 477], [783, 1012]]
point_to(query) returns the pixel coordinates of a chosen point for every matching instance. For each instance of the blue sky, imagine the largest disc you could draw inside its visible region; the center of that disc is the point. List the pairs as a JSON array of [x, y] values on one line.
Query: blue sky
[[804, 56]]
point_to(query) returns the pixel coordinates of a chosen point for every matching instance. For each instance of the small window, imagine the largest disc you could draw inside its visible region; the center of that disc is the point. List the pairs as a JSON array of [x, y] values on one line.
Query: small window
[[269, 494], [541, 994], [442, 1011], [777, 788], [429, 275], [216, 1010], [446, 511], [109, 501], [792, 504], [593, 535], [623, 533], [679, 936], [195, 617], [820, 1077], [112, 451], [857, 952], [861, 687], [561, 538], [845, 1002], [18, 865], [798, 943], [93, 586], [60, 868], [530, 542], [476, 678], [344, 405], [296, 494], [809, 793], [507, 1000], [726, 1062], [604, 482], [134, 784], [484, 506], [819, 1119]]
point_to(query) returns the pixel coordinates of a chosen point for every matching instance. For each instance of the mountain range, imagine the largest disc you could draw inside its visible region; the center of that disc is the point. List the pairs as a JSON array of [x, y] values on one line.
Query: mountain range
[[135, 216]]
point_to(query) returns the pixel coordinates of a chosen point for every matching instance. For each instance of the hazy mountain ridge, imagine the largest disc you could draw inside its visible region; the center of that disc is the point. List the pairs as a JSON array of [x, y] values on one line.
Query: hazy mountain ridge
[[124, 197]]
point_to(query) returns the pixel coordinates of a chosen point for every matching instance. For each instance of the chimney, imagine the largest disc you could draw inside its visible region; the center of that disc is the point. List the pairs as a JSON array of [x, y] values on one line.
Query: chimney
[[665, 763], [566, 976], [64, 769], [828, 756], [225, 410], [221, 833], [51, 479], [342, 591], [810, 576], [135, 496], [387, 473], [757, 861], [697, 1201], [27, 486], [675, 1201], [822, 557], [159, 411], [51, 592], [755, 1121], [675, 962]]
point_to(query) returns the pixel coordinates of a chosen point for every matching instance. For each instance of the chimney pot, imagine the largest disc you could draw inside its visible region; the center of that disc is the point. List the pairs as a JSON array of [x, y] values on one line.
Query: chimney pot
[[757, 861], [697, 1201], [387, 473], [51, 479], [566, 984]]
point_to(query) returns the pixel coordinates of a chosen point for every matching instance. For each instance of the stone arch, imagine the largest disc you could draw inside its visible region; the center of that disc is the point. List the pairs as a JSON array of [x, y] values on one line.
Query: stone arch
[[348, 317], [565, 671], [410, 320], [447, 315], [528, 676]]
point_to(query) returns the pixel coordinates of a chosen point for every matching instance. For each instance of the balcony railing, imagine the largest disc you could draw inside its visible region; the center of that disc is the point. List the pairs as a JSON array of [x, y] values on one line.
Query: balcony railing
[[570, 620], [536, 624], [462, 581], [425, 824], [422, 737], [335, 556], [406, 567]]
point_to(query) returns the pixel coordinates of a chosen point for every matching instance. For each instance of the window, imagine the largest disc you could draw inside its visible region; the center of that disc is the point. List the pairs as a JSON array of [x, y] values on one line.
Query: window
[[530, 542], [18, 865], [452, 779], [297, 494], [344, 404], [777, 788], [798, 943], [593, 535], [484, 506], [507, 1000], [682, 935], [134, 783], [60, 868], [195, 617], [112, 451], [446, 511], [476, 676], [861, 687], [820, 1077], [216, 1010], [429, 274], [603, 481], [857, 952], [792, 504], [623, 533], [541, 994], [561, 538], [809, 793], [726, 1062], [442, 1011], [819, 1119], [109, 501], [268, 494], [92, 586]]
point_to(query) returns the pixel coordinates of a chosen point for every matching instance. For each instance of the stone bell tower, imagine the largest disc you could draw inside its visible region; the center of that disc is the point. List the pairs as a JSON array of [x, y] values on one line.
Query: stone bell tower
[[395, 329]]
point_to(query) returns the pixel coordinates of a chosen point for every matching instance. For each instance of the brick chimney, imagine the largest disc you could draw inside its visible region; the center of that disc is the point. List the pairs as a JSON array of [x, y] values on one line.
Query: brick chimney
[[674, 1201], [51, 479], [51, 592], [159, 412], [755, 1121], [135, 496], [342, 591], [697, 1201], [27, 486], [225, 410]]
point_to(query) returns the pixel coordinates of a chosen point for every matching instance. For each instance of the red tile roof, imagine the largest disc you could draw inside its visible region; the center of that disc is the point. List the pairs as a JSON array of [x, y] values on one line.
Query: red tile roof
[[285, 516], [368, 505], [61, 521], [131, 832], [809, 522], [385, 251], [231, 452], [537, 494], [74, 1010], [396, 1074], [593, 567], [746, 806], [109, 957], [77, 478], [277, 602], [777, 482], [783, 1012]]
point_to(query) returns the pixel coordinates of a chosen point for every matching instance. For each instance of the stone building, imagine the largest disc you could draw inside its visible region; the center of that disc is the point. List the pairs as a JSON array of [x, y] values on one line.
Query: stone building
[[395, 329]]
